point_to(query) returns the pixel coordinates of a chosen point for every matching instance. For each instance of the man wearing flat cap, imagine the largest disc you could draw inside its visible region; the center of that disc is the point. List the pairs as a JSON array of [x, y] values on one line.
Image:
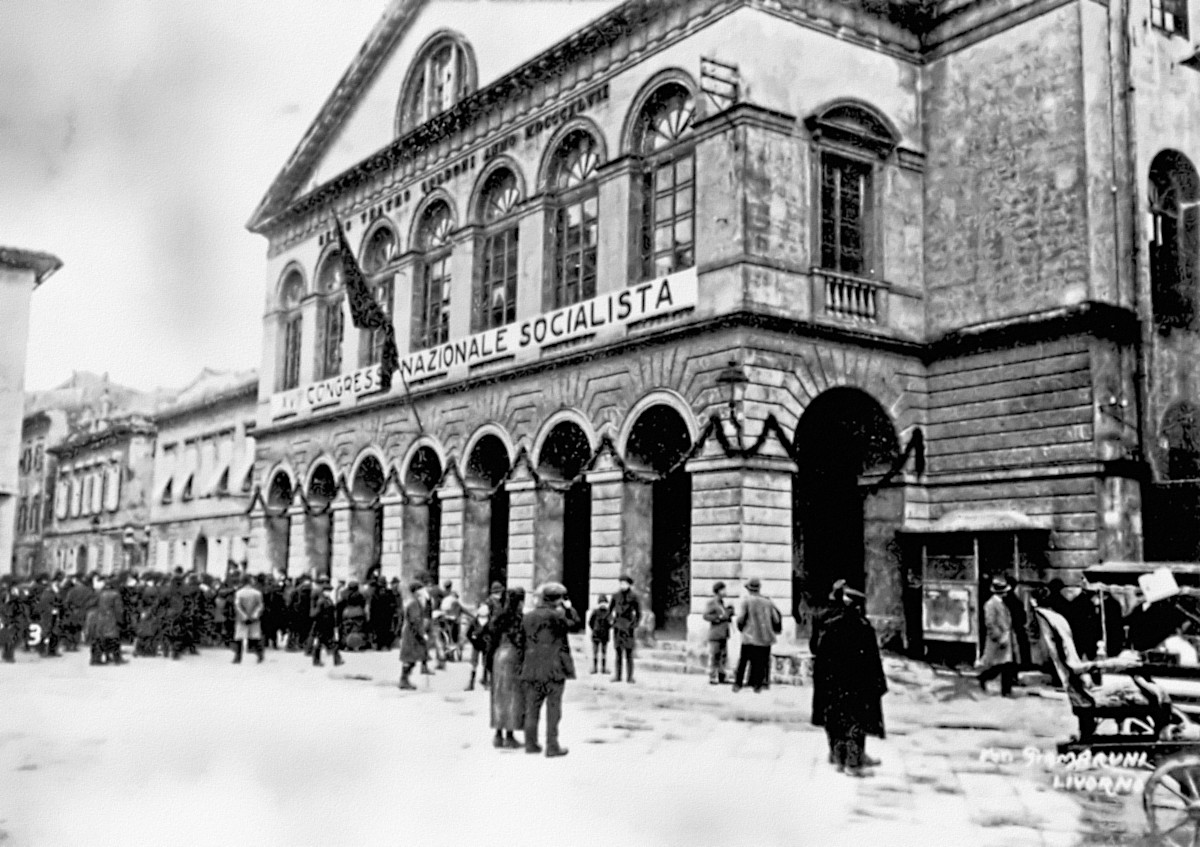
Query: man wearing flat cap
[[718, 613], [759, 623], [547, 664]]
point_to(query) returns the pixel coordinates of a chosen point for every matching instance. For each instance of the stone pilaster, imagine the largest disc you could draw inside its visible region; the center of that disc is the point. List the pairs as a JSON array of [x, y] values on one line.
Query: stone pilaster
[[451, 497], [608, 485], [741, 527], [297, 560], [548, 528], [392, 507], [340, 566], [522, 502], [476, 544]]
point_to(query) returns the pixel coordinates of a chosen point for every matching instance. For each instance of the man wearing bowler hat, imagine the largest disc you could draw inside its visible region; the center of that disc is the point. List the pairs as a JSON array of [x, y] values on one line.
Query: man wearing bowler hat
[[1000, 650], [547, 664]]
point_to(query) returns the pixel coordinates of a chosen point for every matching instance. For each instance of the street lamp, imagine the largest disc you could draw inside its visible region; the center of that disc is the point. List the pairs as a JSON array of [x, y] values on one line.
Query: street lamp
[[735, 377]]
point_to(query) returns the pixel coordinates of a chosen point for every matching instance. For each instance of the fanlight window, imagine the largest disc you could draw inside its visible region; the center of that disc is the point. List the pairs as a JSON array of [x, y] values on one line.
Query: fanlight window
[[668, 182], [380, 251], [496, 295], [431, 297], [575, 223]]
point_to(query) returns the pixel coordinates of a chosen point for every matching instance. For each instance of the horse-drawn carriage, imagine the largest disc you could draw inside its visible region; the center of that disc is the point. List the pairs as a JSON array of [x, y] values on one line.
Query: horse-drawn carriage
[[1147, 699]]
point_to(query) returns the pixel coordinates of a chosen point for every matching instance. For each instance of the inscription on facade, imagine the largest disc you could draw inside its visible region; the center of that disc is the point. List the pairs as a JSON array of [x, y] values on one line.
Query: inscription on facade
[[659, 297], [327, 392]]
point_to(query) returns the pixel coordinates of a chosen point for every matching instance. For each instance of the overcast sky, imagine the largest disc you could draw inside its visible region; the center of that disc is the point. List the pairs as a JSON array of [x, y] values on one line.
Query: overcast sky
[[136, 138]]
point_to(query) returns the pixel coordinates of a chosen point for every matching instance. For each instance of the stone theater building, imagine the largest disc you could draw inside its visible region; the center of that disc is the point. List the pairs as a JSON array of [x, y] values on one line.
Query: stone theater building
[[897, 292]]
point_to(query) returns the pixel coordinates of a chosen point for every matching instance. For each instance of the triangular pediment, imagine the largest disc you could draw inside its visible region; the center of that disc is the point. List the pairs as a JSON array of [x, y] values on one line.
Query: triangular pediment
[[360, 116]]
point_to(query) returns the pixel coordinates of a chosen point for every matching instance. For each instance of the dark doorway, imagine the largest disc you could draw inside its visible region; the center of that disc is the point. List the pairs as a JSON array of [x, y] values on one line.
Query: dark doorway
[[81, 560], [278, 523], [658, 441], [318, 529], [423, 516], [485, 520], [562, 530], [200, 555], [843, 434], [366, 520]]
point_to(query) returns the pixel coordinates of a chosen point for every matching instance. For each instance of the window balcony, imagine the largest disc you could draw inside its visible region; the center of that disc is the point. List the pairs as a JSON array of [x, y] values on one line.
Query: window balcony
[[849, 298]]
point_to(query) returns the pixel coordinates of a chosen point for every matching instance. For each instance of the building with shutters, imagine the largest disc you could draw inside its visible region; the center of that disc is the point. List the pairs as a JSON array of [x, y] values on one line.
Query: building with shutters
[[203, 464], [896, 292]]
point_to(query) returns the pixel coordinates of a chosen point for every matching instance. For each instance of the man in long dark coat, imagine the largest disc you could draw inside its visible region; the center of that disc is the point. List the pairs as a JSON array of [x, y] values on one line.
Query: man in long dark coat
[[547, 664], [49, 613], [323, 613], [414, 647], [848, 684], [12, 621], [624, 613]]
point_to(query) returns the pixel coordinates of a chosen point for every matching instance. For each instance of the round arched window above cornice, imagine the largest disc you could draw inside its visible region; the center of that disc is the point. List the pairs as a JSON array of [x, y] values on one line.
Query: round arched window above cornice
[[575, 160], [437, 223], [665, 119], [501, 194], [381, 249], [329, 278], [442, 74], [291, 290]]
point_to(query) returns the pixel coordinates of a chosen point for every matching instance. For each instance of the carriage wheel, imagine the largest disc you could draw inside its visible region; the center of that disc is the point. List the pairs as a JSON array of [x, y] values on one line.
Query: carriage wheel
[[1172, 802]]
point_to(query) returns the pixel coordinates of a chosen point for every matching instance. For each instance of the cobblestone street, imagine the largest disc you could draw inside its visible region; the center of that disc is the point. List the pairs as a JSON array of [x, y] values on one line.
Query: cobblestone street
[[187, 752]]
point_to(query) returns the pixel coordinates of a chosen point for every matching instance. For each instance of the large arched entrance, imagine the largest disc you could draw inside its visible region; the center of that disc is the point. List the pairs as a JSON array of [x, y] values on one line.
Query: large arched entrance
[[562, 533], [658, 518], [843, 434], [485, 522], [318, 528], [278, 524], [366, 518], [200, 555], [422, 515]]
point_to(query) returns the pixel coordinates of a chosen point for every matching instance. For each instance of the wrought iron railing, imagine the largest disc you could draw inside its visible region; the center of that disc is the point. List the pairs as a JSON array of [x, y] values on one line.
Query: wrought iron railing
[[850, 297]]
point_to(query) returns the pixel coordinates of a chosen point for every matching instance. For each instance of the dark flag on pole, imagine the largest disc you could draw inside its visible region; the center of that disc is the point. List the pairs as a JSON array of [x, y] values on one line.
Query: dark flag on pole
[[366, 313]]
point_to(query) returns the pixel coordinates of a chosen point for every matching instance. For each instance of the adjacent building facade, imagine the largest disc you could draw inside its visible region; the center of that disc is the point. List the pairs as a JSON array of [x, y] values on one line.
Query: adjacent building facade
[[899, 293], [21, 271], [203, 463], [40, 430]]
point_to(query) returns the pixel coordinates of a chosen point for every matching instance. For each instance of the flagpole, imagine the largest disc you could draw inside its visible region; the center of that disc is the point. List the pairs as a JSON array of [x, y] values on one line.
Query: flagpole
[[411, 403]]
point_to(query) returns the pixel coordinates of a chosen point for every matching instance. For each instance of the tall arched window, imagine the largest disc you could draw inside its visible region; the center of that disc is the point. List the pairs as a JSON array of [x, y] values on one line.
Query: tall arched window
[[1180, 435], [442, 74], [1174, 240], [331, 321], [668, 182], [575, 222], [496, 294], [431, 295], [292, 329], [379, 255], [35, 513]]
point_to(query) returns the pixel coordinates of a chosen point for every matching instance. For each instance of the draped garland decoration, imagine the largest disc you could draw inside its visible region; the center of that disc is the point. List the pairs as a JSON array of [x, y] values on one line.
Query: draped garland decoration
[[915, 450]]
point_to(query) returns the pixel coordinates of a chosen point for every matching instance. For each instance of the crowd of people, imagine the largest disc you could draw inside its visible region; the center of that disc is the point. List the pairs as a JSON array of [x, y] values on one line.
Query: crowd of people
[[174, 614], [519, 650]]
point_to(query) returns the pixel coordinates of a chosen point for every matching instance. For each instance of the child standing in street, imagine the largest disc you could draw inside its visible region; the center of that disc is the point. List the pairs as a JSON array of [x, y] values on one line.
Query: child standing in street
[[599, 624]]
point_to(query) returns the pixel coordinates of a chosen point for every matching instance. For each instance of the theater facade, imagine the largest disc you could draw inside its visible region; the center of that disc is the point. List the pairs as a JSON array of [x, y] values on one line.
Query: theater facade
[[716, 289]]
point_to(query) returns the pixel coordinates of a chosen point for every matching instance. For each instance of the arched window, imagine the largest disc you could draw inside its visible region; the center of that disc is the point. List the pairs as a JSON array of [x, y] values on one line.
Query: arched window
[[496, 294], [431, 296], [850, 139], [1174, 240], [35, 513], [1180, 435], [21, 517], [442, 74], [668, 182], [575, 223], [331, 321], [292, 330], [379, 255]]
